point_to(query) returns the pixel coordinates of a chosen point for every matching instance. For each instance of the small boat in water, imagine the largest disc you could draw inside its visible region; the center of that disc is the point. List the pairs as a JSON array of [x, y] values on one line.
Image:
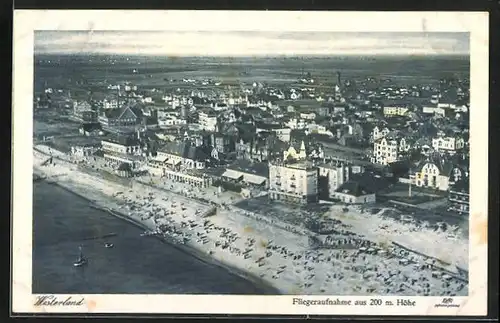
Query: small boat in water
[[81, 260], [109, 245]]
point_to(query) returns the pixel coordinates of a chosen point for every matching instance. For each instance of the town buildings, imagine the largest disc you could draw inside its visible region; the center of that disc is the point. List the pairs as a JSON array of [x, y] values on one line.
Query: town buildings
[[295, 123], [385, 151], [295, 154], [434, 110], [353, 192], [448, 143], [171, 120], [119, 149], [283, 134], [112, 102], [437, 173], [183, 154], [128, 115], [223, 143], [120, 144], [83, 150], [459, 197], [379, 132], [260, 148], [290, 129], [396, 110], [159, 166], [296, 182], [331, 177], [207, 118], [84, 112], [248, 173]]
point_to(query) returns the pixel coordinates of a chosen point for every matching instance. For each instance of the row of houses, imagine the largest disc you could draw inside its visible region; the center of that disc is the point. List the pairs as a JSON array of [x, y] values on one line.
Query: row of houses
[[432, 171], [262, 143], [304, 183], [390, 146], [132, 114], [208, 119], [296, 180]]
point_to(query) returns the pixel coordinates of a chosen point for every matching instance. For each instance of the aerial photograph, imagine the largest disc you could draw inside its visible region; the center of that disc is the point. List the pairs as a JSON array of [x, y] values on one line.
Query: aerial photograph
[[251, 163]]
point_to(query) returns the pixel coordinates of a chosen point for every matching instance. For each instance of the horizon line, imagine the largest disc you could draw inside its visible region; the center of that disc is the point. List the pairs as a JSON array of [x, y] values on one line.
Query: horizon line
[[249, 56]]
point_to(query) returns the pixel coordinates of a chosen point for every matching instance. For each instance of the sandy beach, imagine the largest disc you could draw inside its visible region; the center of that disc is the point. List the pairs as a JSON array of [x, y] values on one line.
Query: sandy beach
[[104, 203], [361, 258]]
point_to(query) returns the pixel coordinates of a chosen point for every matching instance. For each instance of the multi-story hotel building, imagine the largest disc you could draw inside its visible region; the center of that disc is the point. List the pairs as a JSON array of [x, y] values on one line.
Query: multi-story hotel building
[[389, 148], [295, 183], [385, 151]]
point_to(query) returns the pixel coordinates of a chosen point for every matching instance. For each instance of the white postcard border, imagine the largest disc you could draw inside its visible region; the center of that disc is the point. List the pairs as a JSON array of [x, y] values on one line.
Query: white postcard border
[[26, 21]]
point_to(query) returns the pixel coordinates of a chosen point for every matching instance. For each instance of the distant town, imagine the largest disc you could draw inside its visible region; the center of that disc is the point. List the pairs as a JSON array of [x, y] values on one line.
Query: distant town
[[359, 142], [323, 182]]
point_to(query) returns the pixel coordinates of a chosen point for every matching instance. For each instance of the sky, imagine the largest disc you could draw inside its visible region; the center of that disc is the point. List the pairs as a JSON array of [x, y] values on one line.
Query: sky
[[250, 43]]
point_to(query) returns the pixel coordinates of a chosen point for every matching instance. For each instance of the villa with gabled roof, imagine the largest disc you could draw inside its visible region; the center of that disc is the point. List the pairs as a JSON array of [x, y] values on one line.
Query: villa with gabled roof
[[127, 115], [437, 173]]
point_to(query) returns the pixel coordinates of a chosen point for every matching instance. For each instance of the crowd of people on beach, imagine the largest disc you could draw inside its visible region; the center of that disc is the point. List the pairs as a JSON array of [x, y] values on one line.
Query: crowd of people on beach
[[351, 256]]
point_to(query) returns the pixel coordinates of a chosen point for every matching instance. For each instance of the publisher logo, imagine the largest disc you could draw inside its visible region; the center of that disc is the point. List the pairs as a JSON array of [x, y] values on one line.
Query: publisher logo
[[447, 302]]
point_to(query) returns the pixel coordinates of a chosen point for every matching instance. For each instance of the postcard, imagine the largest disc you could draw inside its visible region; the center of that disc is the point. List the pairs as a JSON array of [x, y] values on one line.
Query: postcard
[[232, 162]]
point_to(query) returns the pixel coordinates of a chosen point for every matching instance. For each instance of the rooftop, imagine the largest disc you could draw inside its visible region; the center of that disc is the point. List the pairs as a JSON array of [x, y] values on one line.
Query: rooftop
[[122, 140], [118, 113], [183, 149], [123, 157], [306, 165], [244, 166], [330, 165], [354, 188], [444, 165], [372, 181]]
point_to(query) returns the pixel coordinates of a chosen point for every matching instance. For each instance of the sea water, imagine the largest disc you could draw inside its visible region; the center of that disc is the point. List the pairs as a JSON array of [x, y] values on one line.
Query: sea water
[[63, 221]]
